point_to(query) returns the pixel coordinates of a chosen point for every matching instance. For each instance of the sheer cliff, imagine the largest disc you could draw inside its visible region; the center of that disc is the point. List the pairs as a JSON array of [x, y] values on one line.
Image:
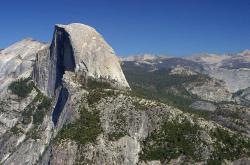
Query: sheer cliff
[[80, 49], [16, 61]]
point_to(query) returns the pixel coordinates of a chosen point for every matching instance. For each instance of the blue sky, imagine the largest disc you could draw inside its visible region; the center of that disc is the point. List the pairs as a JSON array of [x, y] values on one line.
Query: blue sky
[[174, 27]]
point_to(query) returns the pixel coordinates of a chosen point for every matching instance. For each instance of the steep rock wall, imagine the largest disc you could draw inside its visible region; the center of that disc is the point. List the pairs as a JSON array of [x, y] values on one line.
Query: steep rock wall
[[91, 54], [80, 49], [16, 61], [40, 73]]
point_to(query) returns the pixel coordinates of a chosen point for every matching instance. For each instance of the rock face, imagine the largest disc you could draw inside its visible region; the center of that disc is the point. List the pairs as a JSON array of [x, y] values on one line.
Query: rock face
[[212, 90], [202, 105], [80, 49], [179, 70], [40, 72], [145, 57], [233, 69], [235, 79], [16, 61]]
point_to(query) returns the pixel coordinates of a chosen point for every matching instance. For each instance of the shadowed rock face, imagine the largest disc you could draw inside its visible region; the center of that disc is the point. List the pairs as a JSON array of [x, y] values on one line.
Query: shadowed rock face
[[62, 99], [92, 54], [62, 49]]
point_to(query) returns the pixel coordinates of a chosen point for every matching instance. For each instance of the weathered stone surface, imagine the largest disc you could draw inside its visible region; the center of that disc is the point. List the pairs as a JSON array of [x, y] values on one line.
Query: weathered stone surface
[[211, 90], [233, 69], [243, 161], [16, 61], [179, 70], [202, 105], [30, 150], [235, 79], [64, 154], [91, 51], [124, 151], [40, 72]]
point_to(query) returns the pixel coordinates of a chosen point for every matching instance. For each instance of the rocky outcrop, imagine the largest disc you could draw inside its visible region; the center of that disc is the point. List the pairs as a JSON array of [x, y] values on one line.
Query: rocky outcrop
[[211, 90], [179, 70], [202, 105], [144, 57], [64, 154], [22, 141], [232, 69], [30, 150], [235, 79], [40, 72], [16, 61]]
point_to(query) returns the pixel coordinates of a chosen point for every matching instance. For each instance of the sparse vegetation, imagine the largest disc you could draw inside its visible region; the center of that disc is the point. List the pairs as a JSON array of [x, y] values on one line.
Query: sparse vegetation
[[83, 130], [21, 87], [228, 146], [172, 140], [183, 138], [96, 95], [163, 87], [98, 90], [45, 104], [95, 84], [15, 130], [37, 113], [34, 133], [114, 136], [42, 109], [139, 106], [38, 117], [27, 114], [36, 110]]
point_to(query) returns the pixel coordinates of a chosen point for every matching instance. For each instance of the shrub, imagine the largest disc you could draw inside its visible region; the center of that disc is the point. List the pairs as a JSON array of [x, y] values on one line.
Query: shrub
[[21, 87], [27, 114], [38, 116], [41, 110], [15, 130], [34, 133], [116, 136], [96, 95], [94, 84], [45, 104]]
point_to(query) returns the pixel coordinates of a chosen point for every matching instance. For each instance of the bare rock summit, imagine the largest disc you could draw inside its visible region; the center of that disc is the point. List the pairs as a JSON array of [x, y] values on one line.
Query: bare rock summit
[[80, 49]]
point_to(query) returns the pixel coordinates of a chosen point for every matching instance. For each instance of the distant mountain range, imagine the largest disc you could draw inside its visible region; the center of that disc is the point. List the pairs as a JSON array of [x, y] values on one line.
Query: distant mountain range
[[233, 69]]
